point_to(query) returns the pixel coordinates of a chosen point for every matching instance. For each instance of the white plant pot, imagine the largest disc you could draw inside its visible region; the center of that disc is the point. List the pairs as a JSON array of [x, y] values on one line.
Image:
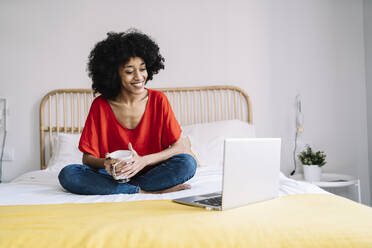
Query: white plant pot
[[312, 173]]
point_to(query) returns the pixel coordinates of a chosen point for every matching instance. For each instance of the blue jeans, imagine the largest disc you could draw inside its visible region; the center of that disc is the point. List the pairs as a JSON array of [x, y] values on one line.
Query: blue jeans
[[85, 180]]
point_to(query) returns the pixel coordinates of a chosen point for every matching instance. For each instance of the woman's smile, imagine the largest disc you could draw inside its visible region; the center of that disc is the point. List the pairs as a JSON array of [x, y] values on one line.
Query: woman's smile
[[138, 84]]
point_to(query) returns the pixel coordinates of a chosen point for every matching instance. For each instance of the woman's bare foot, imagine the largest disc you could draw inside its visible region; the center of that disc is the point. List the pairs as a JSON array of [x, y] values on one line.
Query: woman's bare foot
[[171, 189]]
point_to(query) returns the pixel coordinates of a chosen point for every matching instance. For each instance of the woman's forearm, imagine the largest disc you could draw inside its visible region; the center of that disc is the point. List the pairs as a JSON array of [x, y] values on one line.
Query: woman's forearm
[[177, 148], [94, 162], [155, 158]]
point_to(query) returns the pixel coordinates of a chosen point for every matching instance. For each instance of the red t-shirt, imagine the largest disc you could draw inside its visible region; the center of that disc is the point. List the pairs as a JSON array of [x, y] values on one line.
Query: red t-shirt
[[156, 131]]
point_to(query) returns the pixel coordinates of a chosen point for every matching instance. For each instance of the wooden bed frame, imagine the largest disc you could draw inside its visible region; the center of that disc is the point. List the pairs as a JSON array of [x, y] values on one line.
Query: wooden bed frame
[[65, 110]]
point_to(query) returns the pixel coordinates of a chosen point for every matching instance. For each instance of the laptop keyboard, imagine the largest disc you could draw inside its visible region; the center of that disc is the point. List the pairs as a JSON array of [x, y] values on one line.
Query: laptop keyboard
[[215, 201]]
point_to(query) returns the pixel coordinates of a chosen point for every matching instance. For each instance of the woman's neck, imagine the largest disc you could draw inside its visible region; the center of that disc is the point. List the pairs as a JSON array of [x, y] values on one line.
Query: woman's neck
[[129, 98]]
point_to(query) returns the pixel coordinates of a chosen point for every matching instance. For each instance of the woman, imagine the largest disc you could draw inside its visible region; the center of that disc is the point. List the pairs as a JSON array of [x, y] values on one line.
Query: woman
[[129, 116]]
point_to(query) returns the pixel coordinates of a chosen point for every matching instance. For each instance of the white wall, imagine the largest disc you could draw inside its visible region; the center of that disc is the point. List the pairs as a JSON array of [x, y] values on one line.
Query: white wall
[[368, 61], [272, 49], [318, 51]]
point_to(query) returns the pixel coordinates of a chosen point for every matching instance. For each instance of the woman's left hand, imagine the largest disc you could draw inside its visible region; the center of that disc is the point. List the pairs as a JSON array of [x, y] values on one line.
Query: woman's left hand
[[135, 165]]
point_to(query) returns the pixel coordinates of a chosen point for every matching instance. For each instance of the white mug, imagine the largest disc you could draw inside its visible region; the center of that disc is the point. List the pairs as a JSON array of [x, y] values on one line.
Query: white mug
[[121, 155]]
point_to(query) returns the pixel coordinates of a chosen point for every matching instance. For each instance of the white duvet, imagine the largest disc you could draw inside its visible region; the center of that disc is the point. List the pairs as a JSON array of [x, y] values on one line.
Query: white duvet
[[42, 187]]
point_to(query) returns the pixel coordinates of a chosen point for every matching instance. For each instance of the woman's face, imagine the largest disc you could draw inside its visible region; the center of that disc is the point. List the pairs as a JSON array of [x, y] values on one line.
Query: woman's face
[[133, 75]]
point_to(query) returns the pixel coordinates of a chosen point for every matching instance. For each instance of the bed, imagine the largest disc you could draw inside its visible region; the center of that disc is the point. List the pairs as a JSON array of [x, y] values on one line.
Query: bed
[[35, 211]]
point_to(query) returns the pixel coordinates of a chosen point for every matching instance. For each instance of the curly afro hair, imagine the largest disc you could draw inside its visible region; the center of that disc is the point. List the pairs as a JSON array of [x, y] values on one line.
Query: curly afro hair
[[117, 49]]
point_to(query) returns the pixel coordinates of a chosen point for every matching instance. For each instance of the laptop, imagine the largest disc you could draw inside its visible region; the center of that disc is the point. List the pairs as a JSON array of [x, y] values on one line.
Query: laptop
[[251, 168]]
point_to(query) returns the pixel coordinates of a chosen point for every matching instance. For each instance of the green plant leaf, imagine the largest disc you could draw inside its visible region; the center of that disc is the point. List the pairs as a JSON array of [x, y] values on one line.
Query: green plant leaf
[[309, 157]]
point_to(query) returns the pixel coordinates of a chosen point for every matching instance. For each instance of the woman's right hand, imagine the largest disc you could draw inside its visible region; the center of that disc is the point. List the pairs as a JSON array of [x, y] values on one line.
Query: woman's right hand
[[108, 163]]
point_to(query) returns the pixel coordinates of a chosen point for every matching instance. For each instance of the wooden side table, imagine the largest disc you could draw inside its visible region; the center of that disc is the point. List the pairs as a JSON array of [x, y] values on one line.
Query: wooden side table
[[332, 180]]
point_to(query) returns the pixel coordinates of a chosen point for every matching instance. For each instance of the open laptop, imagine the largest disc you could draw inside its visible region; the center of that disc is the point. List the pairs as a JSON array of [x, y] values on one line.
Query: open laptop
[[251, 169]]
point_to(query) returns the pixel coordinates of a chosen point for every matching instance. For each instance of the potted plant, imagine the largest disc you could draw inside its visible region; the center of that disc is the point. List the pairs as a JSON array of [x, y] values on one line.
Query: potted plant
[[312, 163]]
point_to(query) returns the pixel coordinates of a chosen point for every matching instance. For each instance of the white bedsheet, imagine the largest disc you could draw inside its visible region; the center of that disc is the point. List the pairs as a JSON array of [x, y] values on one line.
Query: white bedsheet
[[42, 187]]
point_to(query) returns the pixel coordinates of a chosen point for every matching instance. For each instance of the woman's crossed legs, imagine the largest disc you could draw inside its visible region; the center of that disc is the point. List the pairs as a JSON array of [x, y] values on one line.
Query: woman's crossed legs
[[167, 176]]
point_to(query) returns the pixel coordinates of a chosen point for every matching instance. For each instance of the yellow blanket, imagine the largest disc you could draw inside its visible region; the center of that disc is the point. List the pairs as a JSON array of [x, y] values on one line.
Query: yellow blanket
[[292, 221]]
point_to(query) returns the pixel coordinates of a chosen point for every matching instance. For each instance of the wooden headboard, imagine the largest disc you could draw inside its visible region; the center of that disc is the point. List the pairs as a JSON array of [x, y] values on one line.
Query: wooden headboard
[[65, 110]]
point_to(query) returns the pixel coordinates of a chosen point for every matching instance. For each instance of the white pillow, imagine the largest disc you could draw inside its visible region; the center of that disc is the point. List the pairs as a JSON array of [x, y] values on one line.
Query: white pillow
[[65, 151], [207, 139]]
